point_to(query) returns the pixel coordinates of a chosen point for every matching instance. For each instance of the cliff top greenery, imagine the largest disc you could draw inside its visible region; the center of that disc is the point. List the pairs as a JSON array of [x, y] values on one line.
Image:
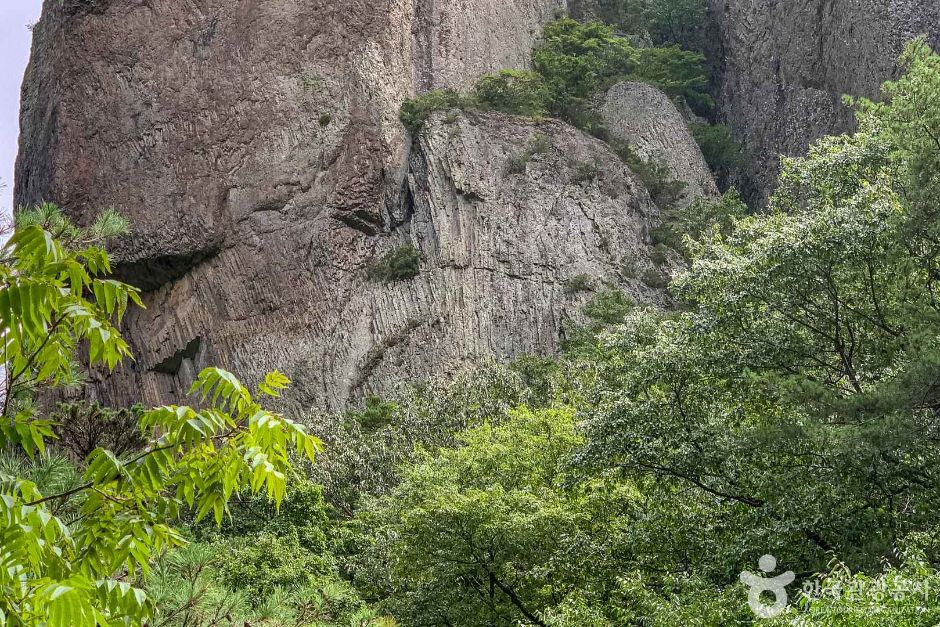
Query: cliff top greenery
[[572, 62]]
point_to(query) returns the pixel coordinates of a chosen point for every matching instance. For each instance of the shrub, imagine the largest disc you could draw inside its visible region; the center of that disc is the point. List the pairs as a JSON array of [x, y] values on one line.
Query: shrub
[[679, 73], [517, 165], [628, 16], [398, 265], [585, 172], [262, 562], [376, 414], [517, 92], [578, 283], [706, 214], [655, 278], [701, 216], [415, 112], [576, 59], [628, 268], [610, 306], [655, 175], [674, 21], [660, 254], [325, 119], [538, 144], [721, 152]]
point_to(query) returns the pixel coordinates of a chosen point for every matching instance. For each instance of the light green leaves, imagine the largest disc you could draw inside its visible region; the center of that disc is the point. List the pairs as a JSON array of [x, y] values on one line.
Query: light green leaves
[[54, 299], [273, 383]]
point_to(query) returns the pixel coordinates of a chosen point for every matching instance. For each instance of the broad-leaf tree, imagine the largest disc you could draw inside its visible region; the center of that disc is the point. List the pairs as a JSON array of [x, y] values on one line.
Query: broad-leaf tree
[[798, 389], [74, 557]]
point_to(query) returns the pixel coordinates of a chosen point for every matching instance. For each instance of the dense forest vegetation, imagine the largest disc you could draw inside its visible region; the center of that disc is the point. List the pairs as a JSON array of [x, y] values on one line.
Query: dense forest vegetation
[[786, 404]]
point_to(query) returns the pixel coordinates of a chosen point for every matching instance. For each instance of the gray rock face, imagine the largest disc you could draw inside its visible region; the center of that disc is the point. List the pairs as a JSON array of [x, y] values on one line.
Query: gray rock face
[[256, 149], [499, 247], [193, 118], [644, 117], [783, 66]]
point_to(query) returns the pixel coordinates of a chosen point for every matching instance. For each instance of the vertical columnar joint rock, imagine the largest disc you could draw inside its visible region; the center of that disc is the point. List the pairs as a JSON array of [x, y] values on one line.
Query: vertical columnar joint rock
[[644, 117]]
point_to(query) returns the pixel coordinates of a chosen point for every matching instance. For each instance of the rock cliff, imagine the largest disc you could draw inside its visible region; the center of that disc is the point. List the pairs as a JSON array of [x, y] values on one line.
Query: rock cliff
[[645, 118], [256, 149], [782, 67]]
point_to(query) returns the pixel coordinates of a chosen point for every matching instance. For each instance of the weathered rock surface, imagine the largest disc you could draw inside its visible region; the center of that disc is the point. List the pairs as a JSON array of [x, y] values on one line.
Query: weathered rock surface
[[499, 248], [256, 149], [193, 118], [644, 117], [782, 67]]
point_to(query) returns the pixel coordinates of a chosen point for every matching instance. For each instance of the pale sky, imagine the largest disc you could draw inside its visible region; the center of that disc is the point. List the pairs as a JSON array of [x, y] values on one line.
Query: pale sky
[[15, 38]]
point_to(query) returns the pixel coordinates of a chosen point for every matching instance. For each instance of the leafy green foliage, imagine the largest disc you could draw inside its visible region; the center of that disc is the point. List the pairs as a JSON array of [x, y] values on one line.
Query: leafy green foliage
[[517, 92], [375, 414], [677, 72], [786, 405], [80, 570], [627, 16], [190, 591], [538, 144], [805, 355], [577, 59], [572, 62], [655, 175], [675, 21], [579, 283], [415, 112], [666, 21], [264, 563], [720, 150], [361, 460], [901, 596], [609, 307], [585, 172], [491, 515], [683, 226], [400, 264]]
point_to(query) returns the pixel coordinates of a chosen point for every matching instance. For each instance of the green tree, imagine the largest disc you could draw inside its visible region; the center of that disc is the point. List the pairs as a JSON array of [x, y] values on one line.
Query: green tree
[[677, 72], [796, 390], [488, 533], [720, 150], [517, 92], [83, 571], [675, 21], [415, 112], [577, 59]]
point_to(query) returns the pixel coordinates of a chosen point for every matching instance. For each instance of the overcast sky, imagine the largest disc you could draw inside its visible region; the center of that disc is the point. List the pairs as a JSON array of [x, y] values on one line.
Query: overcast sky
[[15, 15]]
